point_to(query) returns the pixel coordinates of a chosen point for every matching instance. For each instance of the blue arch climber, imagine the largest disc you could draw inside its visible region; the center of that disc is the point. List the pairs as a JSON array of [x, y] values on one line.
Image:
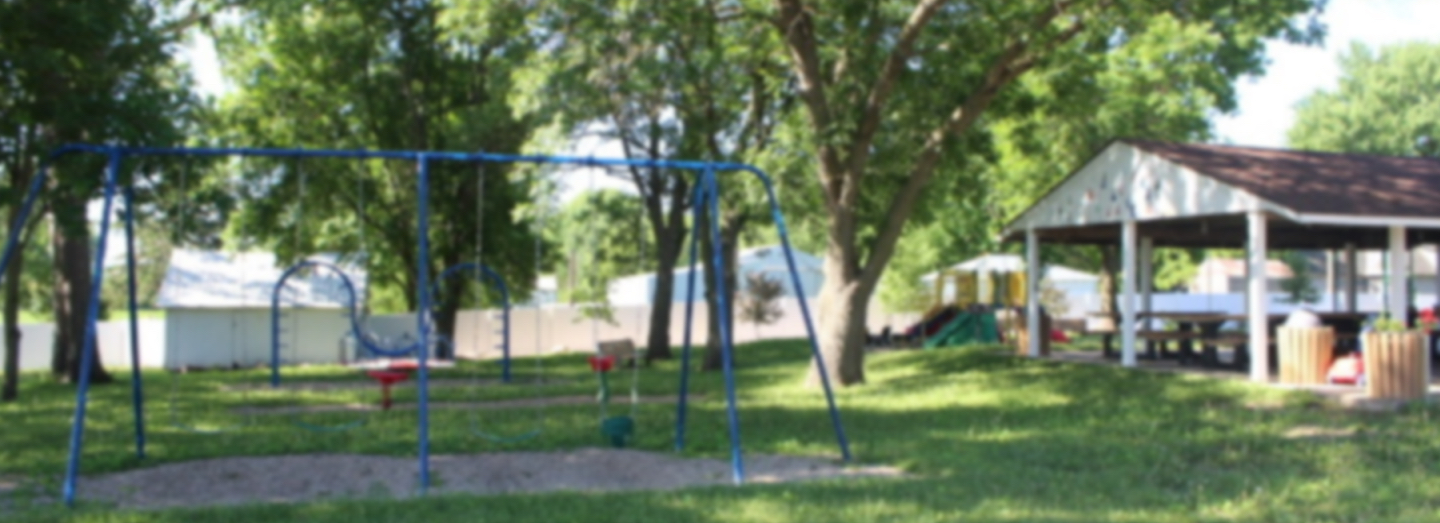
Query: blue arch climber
[[707, 189], [360, 336], [486, 273]]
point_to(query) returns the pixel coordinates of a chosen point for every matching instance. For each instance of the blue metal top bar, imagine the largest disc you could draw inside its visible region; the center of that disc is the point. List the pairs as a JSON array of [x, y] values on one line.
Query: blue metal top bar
[[455, 156]]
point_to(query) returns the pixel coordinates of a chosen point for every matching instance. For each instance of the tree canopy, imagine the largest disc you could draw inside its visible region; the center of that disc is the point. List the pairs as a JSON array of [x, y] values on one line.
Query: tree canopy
[[898, 98], [74, 71], [382, 75], [1385, 103]]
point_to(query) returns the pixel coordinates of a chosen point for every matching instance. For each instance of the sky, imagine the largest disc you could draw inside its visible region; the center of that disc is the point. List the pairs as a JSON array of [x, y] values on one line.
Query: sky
[[1267, 104]]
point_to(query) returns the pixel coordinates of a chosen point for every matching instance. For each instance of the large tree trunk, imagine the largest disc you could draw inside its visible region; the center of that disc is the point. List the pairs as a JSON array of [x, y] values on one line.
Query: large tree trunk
[[445, 319], [657, 345], [446, 305], [11, 387], [844, 301], [72, 297], [669, 228], [730, 228]]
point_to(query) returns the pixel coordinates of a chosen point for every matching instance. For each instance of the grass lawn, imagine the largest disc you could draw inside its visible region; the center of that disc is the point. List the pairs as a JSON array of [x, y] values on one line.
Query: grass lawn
[[985, 438]]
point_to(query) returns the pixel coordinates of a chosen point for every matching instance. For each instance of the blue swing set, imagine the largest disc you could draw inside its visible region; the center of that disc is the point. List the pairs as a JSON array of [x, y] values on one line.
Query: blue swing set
[[706, 198]]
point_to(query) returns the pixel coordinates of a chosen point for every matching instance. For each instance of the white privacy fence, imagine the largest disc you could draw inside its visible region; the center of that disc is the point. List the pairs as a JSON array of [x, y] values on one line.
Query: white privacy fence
[[558, 329], [38, 339], [215, 337], [533, 331]]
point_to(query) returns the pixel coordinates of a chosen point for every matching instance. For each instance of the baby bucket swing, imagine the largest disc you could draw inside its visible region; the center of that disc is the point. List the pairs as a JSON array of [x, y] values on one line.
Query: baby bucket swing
[[617, 429]]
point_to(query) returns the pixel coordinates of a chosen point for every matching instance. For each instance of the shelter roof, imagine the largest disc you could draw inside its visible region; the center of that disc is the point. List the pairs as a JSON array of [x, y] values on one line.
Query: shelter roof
[[1315, 182], [1197, 195]]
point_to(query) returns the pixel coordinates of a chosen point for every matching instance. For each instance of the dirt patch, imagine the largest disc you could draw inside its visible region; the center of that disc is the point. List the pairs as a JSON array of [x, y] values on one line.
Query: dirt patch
[[315, 386], [290, 479], [1315, 432], [477, 405]]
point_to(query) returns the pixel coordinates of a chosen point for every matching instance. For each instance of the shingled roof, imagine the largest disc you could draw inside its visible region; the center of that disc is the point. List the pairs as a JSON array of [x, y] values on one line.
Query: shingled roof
[[1197, 195], [1316, 182]]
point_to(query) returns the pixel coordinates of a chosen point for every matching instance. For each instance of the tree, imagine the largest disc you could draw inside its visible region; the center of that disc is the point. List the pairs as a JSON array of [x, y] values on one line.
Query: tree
[[106, 77], [893, 90], [393, 74], [692, 80], [760, 305], [598, 235], [1385, 103], [152, 261]]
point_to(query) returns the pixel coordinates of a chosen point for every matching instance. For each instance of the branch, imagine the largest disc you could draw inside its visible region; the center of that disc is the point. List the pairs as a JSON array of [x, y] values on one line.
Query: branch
[[872, 39], [1015, 60], [884, 85], [797, 28]]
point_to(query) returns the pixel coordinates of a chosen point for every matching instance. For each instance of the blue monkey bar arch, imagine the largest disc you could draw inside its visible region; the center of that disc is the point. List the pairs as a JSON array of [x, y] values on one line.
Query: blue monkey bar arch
[[351, 306], [482, 273], [707, 192]]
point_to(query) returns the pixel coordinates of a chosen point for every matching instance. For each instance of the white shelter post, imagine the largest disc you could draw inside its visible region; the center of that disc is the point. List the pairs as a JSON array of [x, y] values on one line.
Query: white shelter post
[[1147, 277], [1330, 280], [1352, 274], [1436, 265], [1127, 290], [1259, 344], [1032, 291], [1398, 302]]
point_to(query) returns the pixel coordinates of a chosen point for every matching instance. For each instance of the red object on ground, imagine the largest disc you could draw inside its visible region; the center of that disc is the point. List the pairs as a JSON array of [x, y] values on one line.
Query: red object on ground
[[386, 378], [1427, 319], [404, 365], [602, 363], [1057, 335], [1347, 370]]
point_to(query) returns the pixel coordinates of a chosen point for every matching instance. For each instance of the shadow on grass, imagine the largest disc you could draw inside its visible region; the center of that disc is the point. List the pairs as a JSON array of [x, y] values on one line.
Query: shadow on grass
[[987, 437]]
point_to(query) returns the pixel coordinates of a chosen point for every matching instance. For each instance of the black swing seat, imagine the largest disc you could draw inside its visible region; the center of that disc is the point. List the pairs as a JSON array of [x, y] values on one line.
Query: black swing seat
[[623, 350]]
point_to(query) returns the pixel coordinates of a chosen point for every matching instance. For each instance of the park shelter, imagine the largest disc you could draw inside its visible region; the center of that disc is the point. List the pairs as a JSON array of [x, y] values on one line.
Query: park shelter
[[1140, 194], [217, 310]]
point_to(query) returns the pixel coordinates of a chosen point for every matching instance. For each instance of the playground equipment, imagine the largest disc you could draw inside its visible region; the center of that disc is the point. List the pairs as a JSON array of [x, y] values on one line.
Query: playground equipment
[[707, 192], [618, 429], [969, 316]]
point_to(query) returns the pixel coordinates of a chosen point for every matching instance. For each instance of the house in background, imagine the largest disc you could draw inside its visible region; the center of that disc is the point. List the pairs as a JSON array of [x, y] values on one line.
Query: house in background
[[1227, 276], [768, 261], [1371, 268], [1326, 272], [217, 310]]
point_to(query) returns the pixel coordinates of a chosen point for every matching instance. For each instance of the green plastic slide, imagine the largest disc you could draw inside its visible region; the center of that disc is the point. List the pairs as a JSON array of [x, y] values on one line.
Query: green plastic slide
[[967, 328]]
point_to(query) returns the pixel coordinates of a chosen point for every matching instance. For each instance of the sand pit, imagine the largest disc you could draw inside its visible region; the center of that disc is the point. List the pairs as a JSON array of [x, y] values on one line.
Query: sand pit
[[292, 479], [435, 383], [446, 405]]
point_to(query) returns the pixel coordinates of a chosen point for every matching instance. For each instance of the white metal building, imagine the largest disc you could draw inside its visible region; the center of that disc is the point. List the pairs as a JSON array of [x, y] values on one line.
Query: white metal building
[[217, 310]]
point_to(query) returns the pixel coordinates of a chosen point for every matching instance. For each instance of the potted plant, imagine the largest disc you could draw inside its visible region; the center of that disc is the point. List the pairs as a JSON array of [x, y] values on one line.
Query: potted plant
[[1395, 360]]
